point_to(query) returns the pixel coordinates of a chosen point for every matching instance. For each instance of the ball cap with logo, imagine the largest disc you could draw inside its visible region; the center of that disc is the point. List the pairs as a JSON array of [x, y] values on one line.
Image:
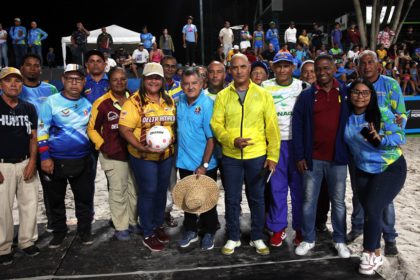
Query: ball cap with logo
[[196, 194], [283, 56], [74, 68], [7, 71]]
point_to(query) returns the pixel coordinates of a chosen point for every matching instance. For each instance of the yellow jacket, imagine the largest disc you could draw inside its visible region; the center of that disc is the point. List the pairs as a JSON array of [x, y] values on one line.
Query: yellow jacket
[[255, 119]]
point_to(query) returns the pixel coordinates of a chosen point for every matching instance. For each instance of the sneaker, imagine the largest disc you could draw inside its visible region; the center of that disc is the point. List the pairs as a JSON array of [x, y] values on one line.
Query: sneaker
[[230, 246], [161, 235], [135, 229], [303, 248], [122, 235], [277, 238], [48, 228], [188, 238], [343, 251], [322, 227], [86, 237], [260, 247], [31, 251], [153, 243], [298, 238], [57, 240], [169, 220], [391, 249], [208, 242], [369, 262], [353, 235], [6, 259]]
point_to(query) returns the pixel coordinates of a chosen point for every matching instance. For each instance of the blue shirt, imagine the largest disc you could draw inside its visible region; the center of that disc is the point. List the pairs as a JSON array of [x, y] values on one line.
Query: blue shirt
[[189, 31], [62, 127], [36, 35], [93, 90], [18, 34], [272, 36], [37, 95], [193, 131]]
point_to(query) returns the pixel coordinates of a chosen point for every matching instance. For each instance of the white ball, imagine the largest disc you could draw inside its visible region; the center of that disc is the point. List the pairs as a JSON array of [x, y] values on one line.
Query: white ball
[[158, 137]]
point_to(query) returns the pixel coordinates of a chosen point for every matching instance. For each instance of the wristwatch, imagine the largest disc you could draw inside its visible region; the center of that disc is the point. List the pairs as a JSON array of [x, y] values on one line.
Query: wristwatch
[[205, 165]]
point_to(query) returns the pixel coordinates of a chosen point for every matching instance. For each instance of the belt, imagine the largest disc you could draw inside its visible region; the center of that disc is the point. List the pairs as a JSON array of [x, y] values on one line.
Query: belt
[[13, 160]]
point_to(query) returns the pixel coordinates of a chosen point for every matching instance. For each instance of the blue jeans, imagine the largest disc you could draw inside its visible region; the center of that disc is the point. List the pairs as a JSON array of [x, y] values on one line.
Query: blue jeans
[[357, 217], [376, 192], [20, 51], [37, 49], [152, 180], [3, 55], [336, 180], [235, 170]]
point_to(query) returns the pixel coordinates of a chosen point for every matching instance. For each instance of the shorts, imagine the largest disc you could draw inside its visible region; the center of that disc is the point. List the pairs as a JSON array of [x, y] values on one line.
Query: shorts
[[258, 44]]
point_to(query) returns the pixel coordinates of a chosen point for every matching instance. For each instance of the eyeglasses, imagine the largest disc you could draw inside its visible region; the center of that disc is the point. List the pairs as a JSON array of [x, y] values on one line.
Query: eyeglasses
[[363, 93], [77, 80], [169, 66]]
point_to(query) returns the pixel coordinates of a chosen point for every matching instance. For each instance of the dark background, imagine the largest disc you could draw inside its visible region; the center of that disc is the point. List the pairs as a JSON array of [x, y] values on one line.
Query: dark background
[[59, 18]]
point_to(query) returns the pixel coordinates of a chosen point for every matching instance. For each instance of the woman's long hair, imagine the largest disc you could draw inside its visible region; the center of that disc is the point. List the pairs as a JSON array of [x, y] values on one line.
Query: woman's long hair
[[372, 113], [162, 93]]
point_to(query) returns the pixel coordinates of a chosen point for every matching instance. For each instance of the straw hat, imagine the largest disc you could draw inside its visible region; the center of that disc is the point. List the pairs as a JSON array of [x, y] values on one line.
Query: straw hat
[[196, 195]]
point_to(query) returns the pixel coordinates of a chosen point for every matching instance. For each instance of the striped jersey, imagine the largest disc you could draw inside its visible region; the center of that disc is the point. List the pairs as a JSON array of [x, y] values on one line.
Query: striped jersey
[[37, 95]]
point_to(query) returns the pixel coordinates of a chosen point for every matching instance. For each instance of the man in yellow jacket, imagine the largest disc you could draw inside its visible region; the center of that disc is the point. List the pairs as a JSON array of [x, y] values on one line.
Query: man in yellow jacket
[[245, 123]]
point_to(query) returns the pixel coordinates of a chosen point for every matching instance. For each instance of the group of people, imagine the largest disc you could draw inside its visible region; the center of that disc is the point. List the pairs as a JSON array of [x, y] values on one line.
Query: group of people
[[270, 135]]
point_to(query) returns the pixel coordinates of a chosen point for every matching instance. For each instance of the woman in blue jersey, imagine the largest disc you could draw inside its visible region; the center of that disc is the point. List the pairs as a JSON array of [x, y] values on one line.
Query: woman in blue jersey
[[374, 139], [258, 39]]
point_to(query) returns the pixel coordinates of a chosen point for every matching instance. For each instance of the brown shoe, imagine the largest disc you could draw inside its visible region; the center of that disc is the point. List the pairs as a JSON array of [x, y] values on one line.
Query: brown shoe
[[169, 220], [153, 243]]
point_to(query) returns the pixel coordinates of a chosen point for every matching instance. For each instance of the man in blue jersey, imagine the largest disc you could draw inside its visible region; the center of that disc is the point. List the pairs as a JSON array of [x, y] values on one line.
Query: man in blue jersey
[[36, 92], [35, 36], [389, 97], [18, 36], [65, 152]]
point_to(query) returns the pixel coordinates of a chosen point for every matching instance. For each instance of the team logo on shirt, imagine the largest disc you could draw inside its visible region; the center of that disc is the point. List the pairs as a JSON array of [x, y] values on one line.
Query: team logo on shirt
[[65, 112], [112, 116], [88, 91], [197, 109]]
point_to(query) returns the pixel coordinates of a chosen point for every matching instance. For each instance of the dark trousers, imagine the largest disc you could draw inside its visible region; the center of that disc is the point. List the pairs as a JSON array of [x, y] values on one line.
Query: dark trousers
[[45, 180], [20, 51], [190, 53], [78, 54], [376, 191], [323, 206], [209, 219], [78, 173]]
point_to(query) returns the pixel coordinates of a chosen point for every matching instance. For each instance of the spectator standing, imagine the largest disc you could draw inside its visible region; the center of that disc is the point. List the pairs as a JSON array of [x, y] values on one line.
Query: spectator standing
[[385, 37], [317, 36], [79, 44], [147, 39], [166, 43], [17, 167], [51, 58], [35, 36], [353, 36], [4, 60], [246, 37], [189, 41], [272, 36], [18, 36], [104, 42], [258, 39], [336, 35], [226, 37], [290, 36]]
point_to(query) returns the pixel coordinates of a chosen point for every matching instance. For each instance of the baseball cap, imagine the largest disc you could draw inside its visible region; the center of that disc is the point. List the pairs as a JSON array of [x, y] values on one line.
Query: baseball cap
[[141, 44], [95, 52], [74, 68], [306, 62], [17, 19], [259, 64], [236, 47], [153, 68], [6, 71], [283, 56]]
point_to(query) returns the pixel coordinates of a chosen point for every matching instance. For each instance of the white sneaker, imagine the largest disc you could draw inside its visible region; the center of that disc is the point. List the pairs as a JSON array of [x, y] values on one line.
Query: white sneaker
[[304, 248], [230, 246], [260, 247], [369, 262], [343, 251]]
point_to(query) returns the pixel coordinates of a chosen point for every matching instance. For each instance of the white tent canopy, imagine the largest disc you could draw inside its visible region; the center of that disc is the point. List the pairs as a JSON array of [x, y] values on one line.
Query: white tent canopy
[[120, 35]]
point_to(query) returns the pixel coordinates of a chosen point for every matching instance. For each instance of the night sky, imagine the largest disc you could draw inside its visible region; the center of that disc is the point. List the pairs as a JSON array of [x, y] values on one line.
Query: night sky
[[59, 18]]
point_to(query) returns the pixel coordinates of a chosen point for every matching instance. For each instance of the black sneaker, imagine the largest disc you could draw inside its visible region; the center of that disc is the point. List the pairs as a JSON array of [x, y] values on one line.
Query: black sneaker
[[322, 227], [31, 251], [353, 235], [6, 259], [58, 238], [391, 249], [86, 237]]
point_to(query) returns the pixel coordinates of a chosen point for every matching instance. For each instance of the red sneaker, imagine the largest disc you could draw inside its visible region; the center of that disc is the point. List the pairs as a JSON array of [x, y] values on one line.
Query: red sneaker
[[161, 235], [298, 238], [153, 243], [277, 238]]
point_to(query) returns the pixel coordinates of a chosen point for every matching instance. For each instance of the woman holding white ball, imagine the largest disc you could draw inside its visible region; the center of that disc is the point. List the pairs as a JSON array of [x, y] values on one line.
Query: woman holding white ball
[[150, 107]]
